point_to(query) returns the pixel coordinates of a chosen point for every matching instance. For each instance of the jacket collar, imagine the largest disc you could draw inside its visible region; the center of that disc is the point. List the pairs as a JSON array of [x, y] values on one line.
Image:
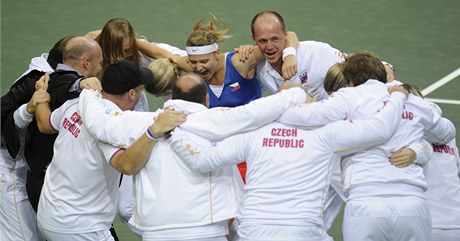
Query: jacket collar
[[186, 106]]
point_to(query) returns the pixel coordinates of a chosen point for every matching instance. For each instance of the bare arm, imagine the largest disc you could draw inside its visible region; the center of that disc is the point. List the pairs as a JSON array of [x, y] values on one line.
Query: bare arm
[[289, 68], [42, 115], [153, 51], [93, 34], [248, 56], [419, 153], [42, 109]]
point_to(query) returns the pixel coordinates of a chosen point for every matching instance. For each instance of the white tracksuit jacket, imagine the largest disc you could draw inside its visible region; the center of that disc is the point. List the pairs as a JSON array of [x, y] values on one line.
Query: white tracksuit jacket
[[313, 60], [174, 196], [368, 169], [443, 192], [288, 168]]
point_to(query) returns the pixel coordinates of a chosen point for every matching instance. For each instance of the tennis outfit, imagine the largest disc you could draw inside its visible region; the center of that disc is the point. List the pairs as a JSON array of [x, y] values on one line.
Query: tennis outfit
[[288, 170], [79, 194], [383, 202], [201, 203], [443, 192], [236, 90], [313, 61]]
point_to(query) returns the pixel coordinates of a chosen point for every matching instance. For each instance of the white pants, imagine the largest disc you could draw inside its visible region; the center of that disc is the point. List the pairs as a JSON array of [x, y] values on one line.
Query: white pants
[[335, 197], [387, 219], [259, 232], [125, 203], [146, 237], [209, 232], [445, 234], [333, 206], [18, 220], [104, 235]]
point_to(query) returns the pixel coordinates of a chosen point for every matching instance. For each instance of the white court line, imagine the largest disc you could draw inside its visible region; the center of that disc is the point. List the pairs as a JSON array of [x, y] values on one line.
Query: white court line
[[443, 101], [441, 82]]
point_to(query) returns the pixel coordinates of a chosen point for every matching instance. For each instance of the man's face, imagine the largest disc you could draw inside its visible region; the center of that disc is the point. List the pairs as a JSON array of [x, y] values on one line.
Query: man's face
[[205, 65], [94, 67], [137, 95], [270, 37]]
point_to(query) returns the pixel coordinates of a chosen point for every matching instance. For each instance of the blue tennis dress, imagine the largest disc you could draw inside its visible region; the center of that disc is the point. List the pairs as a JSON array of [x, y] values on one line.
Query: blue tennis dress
[[237, 90]]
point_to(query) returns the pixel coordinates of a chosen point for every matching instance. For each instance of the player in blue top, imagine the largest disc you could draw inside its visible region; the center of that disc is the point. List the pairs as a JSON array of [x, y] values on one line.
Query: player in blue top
[[231, 80]]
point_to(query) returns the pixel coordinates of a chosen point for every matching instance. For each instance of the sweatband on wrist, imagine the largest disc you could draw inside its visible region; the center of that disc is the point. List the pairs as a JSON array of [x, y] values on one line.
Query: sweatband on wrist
[[289, 51], [150, 135]]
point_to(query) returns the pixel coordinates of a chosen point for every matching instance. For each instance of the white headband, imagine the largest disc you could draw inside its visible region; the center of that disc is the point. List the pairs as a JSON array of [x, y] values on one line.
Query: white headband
[[195, 50]]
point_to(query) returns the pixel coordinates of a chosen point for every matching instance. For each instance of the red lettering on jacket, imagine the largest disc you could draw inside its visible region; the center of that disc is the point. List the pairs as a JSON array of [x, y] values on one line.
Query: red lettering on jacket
[[408, 115], [284, 132], [283, 143], [443, 149], [73, 124]]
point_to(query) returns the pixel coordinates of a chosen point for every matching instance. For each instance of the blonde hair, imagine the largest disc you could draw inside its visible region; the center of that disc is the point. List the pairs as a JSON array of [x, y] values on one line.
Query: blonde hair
[[334, 79], [207, 33], [165, 72]]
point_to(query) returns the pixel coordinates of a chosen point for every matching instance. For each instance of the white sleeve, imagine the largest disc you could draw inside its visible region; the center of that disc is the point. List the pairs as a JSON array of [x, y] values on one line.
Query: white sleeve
[[318, 113], [438, 130], [173, 49], [208, 158], [108, 150], [56, 119], [441, 131], [224, 122], [423, 152], [118, 128], [348, 136], [456, 155], [458, 159], [21, 117]]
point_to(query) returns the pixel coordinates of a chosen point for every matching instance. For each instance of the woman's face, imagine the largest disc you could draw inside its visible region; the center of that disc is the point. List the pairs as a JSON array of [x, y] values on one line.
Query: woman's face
[[126, 46], [205, 65]]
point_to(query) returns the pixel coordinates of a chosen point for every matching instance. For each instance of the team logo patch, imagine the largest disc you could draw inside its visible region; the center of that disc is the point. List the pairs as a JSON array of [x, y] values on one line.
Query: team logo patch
[[303, 76], [109, 111], [234, 87]]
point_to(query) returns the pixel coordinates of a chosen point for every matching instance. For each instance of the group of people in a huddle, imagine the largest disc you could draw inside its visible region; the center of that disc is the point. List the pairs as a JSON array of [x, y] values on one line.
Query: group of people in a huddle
[[267, 142]]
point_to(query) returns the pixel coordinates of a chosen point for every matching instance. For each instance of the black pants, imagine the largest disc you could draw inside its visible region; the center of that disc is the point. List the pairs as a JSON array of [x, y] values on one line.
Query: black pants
[[34, 188]]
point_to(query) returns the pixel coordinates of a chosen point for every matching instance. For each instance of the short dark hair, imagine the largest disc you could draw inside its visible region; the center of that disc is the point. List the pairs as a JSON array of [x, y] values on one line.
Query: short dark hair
[[362, 66], [275, 14], [55, 53], [196, 94]]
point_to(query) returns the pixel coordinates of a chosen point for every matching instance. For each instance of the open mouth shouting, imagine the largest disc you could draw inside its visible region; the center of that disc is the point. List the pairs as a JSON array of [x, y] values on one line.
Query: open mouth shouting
[[271, 55], [204, 73]]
